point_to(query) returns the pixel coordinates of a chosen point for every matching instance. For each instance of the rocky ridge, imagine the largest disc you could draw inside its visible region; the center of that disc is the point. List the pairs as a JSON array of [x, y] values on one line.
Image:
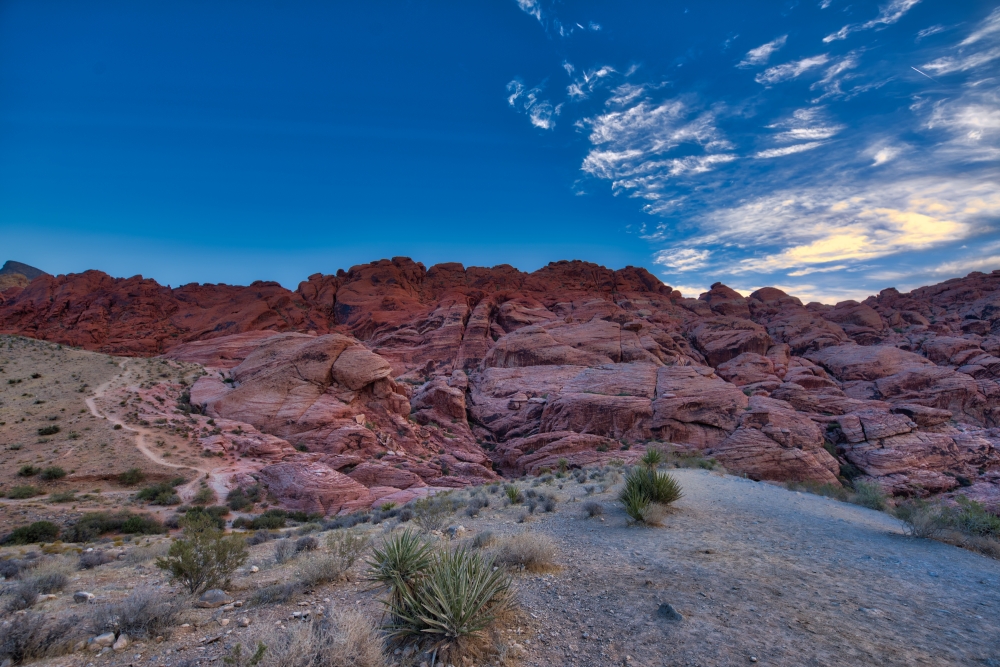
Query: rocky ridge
[[392, 378]]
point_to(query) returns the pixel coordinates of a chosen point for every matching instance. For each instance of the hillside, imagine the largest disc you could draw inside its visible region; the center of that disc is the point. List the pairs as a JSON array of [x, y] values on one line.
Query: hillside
[[396, 379]]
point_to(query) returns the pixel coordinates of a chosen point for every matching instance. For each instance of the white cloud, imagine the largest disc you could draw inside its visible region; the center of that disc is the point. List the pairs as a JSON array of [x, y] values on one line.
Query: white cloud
[[531, 7], [568, 67], [787, 150], [585, 85], [806, 125], [963, 63], [888, 15], [682, 259], [689, 292], [825, 269], [927, 32], [963, 267], [989, 28], [540, 112], [761, 54], [884, 155], [832, 225], [791, 70]]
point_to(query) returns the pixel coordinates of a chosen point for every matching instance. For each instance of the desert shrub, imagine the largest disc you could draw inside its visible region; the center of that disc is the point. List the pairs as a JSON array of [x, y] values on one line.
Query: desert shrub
[[270, 520], [11, 567], [342, 639], [870, 495], [50, 582], [259, 537], [514, 495], [204, 557], [343, 549], [91, 559], [432, 512], [921, 518], [28, 470], [483, 539], [459, 597], [204, 496], [284, 551], [144, 613], [593, 508], [216, 513], [399, 562], [971, 518], [23, 595], [405, 514], [534, 552], [39, 531], [52, 473], [131, 477], [62, 497], [549, 503], [22, 492], [160, 494], [274, 594], [34, 636], [48, 430], [306, 544], [476, 505], [92, 525]]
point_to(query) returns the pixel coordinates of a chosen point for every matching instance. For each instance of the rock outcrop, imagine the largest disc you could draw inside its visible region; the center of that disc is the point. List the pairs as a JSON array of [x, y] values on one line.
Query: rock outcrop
[[392, 378]]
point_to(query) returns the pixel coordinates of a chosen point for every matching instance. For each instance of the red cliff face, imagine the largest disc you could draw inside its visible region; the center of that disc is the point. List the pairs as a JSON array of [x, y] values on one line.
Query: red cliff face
[[573, 361]]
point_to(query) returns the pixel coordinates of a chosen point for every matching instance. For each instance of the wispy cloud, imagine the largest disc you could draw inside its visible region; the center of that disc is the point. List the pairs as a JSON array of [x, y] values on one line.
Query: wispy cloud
[[682, 259], [787, 150], [980, 48], [884, 155], [791, 70], [584, 86], [932, 30], [808, 124], [531, 7], [889, 14], [762, 53], [540, 112]]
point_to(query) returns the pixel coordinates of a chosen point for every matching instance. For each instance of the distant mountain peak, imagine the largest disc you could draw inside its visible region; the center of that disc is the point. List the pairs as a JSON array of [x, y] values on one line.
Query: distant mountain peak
[[29, 272]]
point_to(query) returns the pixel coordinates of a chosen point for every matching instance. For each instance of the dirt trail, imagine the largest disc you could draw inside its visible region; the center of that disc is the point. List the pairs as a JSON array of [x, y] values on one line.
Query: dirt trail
[[187, 491], [759, 572]]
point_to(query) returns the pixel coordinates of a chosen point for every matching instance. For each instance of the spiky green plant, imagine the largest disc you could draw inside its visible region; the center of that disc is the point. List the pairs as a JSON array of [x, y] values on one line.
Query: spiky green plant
[[652, 459], [659, 487], [635, 501], [399, 563], [514, 494], [459, 597]]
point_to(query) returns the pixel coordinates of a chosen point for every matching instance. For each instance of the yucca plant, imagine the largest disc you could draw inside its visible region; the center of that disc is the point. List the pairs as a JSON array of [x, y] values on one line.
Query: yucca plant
[[646, 493], [460, 595], [652, 459], [399, 562], [514, 494]]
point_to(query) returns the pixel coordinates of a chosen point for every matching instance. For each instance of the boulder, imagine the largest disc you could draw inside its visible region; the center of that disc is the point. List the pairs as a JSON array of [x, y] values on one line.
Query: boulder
[[313, 487]]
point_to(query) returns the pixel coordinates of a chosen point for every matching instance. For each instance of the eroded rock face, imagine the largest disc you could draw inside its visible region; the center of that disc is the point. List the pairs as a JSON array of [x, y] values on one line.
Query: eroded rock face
[[404, 379]]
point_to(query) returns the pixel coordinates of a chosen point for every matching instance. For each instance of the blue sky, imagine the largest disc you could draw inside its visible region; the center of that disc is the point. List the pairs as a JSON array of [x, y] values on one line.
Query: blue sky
[[828, 147]]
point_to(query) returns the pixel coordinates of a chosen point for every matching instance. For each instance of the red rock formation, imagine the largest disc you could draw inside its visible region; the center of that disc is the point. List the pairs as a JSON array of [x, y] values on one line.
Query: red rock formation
[[496, 367]]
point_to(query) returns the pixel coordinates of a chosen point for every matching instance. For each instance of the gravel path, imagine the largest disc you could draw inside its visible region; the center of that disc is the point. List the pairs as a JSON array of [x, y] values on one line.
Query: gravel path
[[761, 575]]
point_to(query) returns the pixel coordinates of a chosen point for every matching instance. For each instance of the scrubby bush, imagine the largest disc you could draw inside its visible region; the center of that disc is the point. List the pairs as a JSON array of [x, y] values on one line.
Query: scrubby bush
[[131, 477], [971, 518], [343, 549], [22, 492], [39, 531], [48, 430], [272, 519], [240, 498], [52, 473], [432, 512], [921, 518], [35, 636], [50, 582], [514, 495], [204, 557], [306, 544], [91, 559], [534, 552], [342, 639], [870, 495], [259, 537], [204, 496], [160, 494], [22, 596], [593, 508], [284, 551], [143, 614], [274, 594], [28, 470], [94, 524]]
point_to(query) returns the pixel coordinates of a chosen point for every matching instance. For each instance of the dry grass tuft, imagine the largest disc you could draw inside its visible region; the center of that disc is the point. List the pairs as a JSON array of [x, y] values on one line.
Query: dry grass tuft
[[342, 639], [528, 551]]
